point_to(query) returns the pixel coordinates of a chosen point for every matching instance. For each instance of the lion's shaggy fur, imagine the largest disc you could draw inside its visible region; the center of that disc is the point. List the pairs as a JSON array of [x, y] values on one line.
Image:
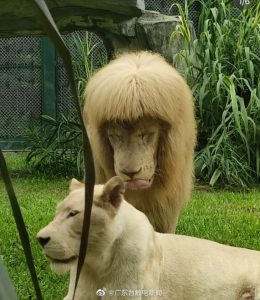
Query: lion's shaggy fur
[[136, 86]]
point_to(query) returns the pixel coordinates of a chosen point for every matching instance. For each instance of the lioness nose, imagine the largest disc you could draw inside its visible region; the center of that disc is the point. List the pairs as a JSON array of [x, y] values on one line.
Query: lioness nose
[[43, 240], [131, 173]]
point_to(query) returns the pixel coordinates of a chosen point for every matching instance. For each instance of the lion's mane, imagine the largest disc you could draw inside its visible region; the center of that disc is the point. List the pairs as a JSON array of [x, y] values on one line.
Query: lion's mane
[[129, 88]]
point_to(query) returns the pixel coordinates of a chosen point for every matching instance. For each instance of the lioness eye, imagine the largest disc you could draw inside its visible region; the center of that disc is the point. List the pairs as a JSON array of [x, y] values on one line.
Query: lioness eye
[[72, 213]]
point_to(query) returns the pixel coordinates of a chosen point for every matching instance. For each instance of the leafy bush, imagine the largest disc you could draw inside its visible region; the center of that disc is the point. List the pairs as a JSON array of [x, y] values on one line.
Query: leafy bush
[[56, 147], [222, 66]]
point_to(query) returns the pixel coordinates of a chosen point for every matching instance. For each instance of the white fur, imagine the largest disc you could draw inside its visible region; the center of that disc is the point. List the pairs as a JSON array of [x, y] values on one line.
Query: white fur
[[126, 254]]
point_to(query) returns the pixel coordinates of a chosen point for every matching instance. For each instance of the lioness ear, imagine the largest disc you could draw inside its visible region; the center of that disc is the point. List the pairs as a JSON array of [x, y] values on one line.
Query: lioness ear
[[113, 190], [75, 184]]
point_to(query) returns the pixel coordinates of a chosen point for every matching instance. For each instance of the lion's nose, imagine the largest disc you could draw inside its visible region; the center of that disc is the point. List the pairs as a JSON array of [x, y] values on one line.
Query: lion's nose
[[43, 240], [130, 173]]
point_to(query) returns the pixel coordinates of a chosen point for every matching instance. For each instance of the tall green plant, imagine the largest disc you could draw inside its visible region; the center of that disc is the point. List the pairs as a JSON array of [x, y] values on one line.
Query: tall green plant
[[86, 47], [56, 147], [222, 65]]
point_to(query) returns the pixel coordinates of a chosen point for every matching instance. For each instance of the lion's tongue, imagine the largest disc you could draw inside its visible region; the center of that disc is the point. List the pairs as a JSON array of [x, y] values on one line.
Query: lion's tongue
[[137, 184]]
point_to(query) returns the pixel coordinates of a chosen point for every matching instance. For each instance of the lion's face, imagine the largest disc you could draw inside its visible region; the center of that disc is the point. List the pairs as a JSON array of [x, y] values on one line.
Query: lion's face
[[135, 151], [60, 239]]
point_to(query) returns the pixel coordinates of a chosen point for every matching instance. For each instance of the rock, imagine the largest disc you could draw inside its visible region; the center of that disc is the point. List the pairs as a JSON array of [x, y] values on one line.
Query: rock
[[123, 25]]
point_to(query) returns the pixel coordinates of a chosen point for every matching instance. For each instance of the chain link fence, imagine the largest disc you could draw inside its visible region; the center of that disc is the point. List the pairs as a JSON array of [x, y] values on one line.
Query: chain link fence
[[65, 103], [20, 84], [21, 79]]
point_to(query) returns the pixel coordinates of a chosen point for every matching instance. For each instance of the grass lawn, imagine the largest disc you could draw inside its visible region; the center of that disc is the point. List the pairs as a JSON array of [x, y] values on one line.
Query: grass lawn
[[226, 217]]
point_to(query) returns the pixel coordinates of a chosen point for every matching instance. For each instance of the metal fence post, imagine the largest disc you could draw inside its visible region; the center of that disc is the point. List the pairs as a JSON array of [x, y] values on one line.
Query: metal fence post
[[49, 101]]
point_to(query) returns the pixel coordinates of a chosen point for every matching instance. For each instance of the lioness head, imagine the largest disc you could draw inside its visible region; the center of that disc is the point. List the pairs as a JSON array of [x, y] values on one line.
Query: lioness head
[[60, 239], [134, 147]]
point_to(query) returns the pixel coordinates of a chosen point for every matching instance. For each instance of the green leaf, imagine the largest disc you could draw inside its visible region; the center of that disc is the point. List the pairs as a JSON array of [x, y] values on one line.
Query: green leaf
[[215, 177]]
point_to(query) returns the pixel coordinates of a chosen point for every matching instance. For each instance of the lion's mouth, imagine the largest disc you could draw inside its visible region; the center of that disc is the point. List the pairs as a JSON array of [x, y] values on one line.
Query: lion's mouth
[[62, 261], [136, 184]]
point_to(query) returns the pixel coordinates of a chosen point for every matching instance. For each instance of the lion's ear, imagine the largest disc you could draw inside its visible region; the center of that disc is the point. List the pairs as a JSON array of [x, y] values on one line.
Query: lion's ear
[[75, 184], [113, 190]]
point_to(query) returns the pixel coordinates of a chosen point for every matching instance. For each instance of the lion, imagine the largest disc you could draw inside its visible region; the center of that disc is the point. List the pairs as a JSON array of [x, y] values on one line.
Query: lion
[[127, 259], [139, 115]]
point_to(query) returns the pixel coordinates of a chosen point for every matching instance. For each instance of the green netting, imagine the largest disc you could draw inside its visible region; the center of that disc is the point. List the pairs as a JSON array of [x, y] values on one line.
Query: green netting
[[22, 83]]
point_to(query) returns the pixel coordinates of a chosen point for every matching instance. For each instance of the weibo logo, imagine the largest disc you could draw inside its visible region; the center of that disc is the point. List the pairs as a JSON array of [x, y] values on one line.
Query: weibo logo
[[101, 292]]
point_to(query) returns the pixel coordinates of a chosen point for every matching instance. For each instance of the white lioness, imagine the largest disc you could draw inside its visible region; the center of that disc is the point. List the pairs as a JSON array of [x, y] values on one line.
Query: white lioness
[[126, 259]]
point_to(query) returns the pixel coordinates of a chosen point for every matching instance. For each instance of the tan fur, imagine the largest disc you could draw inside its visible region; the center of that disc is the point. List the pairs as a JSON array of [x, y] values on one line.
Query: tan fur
[[126, 255], [136, 88]]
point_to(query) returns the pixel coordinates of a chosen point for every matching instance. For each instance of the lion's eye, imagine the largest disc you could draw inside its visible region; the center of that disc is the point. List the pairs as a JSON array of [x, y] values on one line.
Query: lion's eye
[[115, 137], [146, 136], [72, 213]]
